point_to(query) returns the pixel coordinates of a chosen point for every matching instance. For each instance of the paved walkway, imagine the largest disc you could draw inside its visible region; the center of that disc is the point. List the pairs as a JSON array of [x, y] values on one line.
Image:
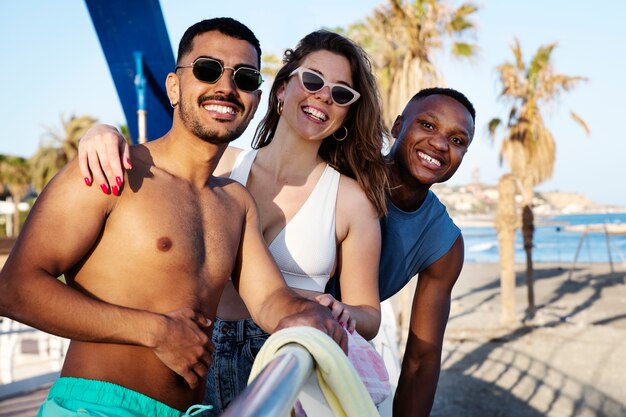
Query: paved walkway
[[25, 405]]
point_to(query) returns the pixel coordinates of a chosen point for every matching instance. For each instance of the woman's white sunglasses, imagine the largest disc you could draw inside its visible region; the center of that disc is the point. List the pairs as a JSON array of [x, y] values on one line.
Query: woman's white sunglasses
[[312, 82]]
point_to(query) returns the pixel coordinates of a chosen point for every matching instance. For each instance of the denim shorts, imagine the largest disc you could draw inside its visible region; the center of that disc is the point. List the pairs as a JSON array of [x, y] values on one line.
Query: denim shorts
[[237, 343]]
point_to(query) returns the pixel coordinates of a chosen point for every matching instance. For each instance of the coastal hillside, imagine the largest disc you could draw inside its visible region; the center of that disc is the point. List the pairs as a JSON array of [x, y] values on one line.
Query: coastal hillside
[[479, 201]]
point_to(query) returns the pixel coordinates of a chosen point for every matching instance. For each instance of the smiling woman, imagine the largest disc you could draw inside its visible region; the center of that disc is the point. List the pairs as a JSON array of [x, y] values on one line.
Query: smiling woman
[[322, 131]]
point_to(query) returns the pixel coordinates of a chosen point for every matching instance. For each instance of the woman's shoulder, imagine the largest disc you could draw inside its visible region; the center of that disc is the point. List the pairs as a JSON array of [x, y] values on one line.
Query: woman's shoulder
[[352, 198], [227, 161]]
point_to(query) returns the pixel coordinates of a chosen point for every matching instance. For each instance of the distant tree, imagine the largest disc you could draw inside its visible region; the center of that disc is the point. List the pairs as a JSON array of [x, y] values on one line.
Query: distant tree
[[125, 131], [271, 64], [15, 175], [528, 147], [59, 149], [402, 37]]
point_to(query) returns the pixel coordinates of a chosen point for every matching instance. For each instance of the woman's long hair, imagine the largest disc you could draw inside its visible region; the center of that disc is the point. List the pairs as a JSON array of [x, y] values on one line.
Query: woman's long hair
[[359, 156]]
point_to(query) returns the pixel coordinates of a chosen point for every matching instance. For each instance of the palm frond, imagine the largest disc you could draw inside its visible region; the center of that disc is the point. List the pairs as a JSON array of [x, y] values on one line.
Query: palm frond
[[53, 155], [517, 53], [492, 127], [540, 65], [464, 49], [459, 19], [465, 9], [513, 84], [581, 122], [272, 63], [542, 57]]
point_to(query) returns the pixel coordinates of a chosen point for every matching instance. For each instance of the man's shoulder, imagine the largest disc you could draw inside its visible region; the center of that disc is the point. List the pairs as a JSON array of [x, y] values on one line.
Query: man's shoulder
[[63, 187], [232, 189], [450, 262], [438, 221], [432, 214], [228, 184], [423, 236]]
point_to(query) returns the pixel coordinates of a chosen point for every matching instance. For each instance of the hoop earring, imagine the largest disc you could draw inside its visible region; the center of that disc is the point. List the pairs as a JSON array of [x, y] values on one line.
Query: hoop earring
[[341, 139], [279, 109]]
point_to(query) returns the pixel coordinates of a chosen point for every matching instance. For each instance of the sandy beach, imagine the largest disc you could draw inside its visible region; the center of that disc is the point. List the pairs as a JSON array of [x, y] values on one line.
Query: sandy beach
[[569, 361]]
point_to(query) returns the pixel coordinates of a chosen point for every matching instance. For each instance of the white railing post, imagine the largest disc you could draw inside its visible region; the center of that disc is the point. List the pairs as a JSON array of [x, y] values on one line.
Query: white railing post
[[50, 350]]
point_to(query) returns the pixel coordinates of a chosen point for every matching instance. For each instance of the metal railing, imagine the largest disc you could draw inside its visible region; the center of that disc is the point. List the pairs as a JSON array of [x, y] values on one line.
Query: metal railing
[[42, 348], [274, 391]]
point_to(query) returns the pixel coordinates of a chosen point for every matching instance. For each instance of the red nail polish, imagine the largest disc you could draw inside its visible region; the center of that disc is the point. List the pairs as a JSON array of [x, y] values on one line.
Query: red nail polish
[[116, 191], [341, 323], [118, 180], [104, 188], [129, 163], [87, 181]]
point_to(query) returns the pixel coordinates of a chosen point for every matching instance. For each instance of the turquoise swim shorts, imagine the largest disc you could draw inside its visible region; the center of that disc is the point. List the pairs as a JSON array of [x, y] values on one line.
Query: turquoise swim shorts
[[78, 397]]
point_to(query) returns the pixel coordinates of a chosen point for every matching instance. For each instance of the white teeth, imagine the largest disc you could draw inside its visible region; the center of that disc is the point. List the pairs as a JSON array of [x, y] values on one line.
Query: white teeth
[[429, 159], [220, 109], [315, 113]]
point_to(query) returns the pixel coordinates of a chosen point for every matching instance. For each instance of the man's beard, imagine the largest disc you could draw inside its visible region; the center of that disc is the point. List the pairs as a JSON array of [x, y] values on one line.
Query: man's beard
[[206, 133]]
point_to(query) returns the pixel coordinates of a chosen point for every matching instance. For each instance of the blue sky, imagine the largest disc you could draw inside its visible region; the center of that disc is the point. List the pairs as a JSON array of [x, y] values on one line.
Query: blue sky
[[52, 65]]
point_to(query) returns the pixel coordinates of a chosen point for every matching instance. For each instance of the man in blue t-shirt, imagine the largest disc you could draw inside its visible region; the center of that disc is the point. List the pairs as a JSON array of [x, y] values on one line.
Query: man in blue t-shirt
[[418, 237]]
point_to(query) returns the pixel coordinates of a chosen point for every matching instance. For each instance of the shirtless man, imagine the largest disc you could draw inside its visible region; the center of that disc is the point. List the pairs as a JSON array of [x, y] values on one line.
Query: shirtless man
[[145, 270]]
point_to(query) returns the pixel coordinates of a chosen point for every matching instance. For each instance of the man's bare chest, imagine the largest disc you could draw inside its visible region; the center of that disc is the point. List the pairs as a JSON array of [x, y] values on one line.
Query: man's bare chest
[[188, 231]]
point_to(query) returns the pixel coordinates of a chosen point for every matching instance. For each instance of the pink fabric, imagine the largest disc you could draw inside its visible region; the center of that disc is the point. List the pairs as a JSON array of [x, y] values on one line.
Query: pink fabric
[[370, 367]]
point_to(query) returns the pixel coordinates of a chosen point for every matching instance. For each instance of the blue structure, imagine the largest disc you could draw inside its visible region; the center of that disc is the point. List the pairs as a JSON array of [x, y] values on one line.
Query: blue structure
[[138, 51]]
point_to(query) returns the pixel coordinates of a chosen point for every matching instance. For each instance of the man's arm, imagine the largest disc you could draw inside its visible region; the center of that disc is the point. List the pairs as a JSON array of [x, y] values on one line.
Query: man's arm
[[62, 227], [271, 303], [422, 358]]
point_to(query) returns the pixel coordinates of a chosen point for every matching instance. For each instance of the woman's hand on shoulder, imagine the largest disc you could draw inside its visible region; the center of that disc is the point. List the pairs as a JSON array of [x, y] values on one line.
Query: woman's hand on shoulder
[[103, 153]]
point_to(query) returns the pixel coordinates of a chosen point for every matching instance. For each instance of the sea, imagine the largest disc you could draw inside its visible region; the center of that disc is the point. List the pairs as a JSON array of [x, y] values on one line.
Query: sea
[[553, 242]]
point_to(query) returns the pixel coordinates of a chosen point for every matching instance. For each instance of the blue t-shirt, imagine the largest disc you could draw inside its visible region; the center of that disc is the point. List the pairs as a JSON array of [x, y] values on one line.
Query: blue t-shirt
[[411, 242]]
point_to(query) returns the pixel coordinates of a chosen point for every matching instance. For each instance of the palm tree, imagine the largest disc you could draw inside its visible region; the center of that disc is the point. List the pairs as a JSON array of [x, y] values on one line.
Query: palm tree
[[15, 174], [402, 39], [506, 223], [59, 150], [528, 146]]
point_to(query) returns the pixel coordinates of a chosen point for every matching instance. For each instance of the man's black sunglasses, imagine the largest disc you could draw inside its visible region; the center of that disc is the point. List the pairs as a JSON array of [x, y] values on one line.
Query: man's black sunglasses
[[210, 70]]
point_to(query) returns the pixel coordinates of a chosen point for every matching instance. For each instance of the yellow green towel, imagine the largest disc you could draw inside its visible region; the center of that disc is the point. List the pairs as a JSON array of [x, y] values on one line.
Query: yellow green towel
[[345, 393]]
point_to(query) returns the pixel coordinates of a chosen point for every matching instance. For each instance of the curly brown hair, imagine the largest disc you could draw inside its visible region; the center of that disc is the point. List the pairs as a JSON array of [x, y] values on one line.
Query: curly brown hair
[[359, 156]]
